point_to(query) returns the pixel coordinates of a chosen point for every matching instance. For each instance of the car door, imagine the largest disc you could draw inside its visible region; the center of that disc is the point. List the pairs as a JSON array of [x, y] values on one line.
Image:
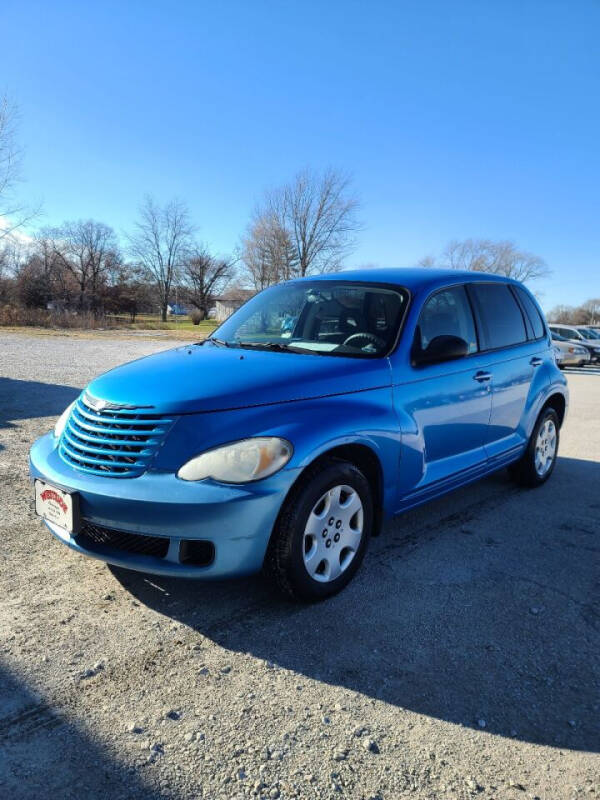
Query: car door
[[511, 359], [444, 408]]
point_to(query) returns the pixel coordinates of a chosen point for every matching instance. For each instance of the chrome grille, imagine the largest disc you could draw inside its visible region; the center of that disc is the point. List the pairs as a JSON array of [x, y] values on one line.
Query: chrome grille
[[116, 442]]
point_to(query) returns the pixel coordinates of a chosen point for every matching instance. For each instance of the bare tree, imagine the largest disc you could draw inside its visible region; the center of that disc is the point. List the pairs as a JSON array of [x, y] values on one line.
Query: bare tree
[[128, 293], [12, 214], [587, 313], [160, 243], [498, 258], [12, 256], [591, 309], [267, 251], [204, 276], [561, 313], [35, 274], [312, 221], [90, 252]]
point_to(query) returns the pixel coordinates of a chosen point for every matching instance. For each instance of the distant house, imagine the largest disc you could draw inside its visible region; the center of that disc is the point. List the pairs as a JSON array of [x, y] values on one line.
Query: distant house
[[229, 302], [176, 310]]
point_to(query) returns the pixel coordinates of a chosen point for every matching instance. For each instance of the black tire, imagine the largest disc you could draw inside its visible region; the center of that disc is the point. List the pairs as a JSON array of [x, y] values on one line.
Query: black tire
[[524, 471], [285, 561]]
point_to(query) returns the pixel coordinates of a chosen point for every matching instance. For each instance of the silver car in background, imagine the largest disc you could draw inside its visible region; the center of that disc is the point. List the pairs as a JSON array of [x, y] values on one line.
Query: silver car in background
[[579, 335], [571, 354], [558, 356]]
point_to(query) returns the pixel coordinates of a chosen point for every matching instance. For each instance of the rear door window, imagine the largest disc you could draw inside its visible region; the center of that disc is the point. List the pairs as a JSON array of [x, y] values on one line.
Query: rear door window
[[501, 318]]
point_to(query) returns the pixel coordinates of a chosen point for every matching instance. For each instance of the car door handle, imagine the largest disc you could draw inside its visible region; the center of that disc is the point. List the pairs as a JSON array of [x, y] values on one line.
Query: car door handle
[[536, 362], [482, 377]]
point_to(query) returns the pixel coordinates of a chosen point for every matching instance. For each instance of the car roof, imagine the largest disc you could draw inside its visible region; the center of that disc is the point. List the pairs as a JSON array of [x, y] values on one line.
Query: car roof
[[412, 278]]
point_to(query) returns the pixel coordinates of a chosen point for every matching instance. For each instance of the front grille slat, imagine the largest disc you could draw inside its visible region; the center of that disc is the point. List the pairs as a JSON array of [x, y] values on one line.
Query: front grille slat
[[123, 427], [111, 442], [114, 430], [90, 536], [115, 439], [109, 460], [128, 450]]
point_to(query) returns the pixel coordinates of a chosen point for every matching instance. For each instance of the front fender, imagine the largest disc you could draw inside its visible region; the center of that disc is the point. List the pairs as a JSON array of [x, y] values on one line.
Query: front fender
[[313, 427]]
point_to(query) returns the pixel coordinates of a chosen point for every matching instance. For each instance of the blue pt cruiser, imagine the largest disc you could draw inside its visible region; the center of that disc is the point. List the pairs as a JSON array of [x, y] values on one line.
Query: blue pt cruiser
[[321, 406]]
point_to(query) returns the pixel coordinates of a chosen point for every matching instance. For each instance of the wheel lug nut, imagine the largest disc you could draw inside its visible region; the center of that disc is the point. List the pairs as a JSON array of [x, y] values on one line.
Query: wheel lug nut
[[336, 538], [331, 521], [324, 532], [338, 524], [328, 543]]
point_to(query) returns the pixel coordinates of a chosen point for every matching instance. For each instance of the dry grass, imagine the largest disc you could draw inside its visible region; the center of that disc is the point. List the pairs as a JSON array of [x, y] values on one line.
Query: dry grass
[[86, 325]]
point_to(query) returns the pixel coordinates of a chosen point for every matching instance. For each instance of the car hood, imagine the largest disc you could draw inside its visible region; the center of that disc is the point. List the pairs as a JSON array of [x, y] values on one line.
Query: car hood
[[212, 378]]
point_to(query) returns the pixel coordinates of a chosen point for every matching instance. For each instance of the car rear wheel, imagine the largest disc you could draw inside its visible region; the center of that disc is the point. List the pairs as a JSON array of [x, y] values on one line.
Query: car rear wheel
[[322, 531], [539, 459]]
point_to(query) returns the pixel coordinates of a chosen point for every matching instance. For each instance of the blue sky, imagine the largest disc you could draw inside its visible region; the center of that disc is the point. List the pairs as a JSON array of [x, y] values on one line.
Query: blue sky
[[457, 119]]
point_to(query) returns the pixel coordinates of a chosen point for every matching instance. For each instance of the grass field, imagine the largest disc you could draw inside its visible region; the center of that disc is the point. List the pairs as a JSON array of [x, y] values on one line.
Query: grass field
[[175, 328], [153, 322]]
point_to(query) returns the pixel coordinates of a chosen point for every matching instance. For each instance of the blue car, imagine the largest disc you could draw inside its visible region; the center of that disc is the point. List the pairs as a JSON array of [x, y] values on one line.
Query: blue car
[[285, 446]]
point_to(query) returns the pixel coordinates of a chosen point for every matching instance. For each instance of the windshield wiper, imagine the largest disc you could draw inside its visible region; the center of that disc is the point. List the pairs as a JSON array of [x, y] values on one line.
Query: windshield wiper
[[219, 342], [281, 347]]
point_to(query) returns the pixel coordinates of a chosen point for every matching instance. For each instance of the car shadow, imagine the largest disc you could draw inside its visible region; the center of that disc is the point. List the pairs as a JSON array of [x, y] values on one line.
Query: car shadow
[[32, 399], [481, 609], [43, 753]]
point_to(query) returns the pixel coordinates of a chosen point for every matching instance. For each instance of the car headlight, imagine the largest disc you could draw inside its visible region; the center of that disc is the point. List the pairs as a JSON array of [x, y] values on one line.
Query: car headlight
[[239, 462], [62, 420]]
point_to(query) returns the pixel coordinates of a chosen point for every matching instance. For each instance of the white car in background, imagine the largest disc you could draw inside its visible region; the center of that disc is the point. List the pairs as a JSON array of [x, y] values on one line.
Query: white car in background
[[580, 335], [571, 354]]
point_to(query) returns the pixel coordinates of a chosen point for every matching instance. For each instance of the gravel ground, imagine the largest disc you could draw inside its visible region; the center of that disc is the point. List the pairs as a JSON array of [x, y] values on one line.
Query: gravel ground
[[463, 660]]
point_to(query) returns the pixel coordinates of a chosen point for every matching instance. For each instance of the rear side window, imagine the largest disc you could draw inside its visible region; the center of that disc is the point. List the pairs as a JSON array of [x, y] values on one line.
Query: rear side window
[[501, 317], [532, 312], [446, 313]]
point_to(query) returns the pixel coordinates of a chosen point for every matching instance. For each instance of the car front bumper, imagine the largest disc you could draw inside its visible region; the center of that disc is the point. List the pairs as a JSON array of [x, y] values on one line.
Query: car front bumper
[[237, 520]]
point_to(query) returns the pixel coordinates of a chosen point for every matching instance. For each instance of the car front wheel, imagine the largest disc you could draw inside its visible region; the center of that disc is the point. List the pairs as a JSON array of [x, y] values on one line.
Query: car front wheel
[[322, 531]]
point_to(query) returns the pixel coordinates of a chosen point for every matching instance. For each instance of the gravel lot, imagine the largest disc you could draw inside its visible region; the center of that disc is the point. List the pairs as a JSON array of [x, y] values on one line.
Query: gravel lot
[[463, 661]]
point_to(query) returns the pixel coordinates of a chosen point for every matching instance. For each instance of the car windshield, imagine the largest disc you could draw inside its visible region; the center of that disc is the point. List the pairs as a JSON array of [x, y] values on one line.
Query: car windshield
[[321, 317]]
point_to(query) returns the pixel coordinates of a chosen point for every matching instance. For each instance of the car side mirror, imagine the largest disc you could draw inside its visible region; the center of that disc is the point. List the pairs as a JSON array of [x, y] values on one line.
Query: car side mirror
[[441, 348]]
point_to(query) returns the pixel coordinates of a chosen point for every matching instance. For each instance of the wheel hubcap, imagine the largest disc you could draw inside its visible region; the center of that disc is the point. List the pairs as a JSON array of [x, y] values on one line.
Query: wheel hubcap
[[545, 447], [333, 533]]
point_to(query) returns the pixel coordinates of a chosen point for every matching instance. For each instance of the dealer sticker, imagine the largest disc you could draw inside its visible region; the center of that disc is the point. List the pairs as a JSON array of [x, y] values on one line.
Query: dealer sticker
[[54, 505]]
